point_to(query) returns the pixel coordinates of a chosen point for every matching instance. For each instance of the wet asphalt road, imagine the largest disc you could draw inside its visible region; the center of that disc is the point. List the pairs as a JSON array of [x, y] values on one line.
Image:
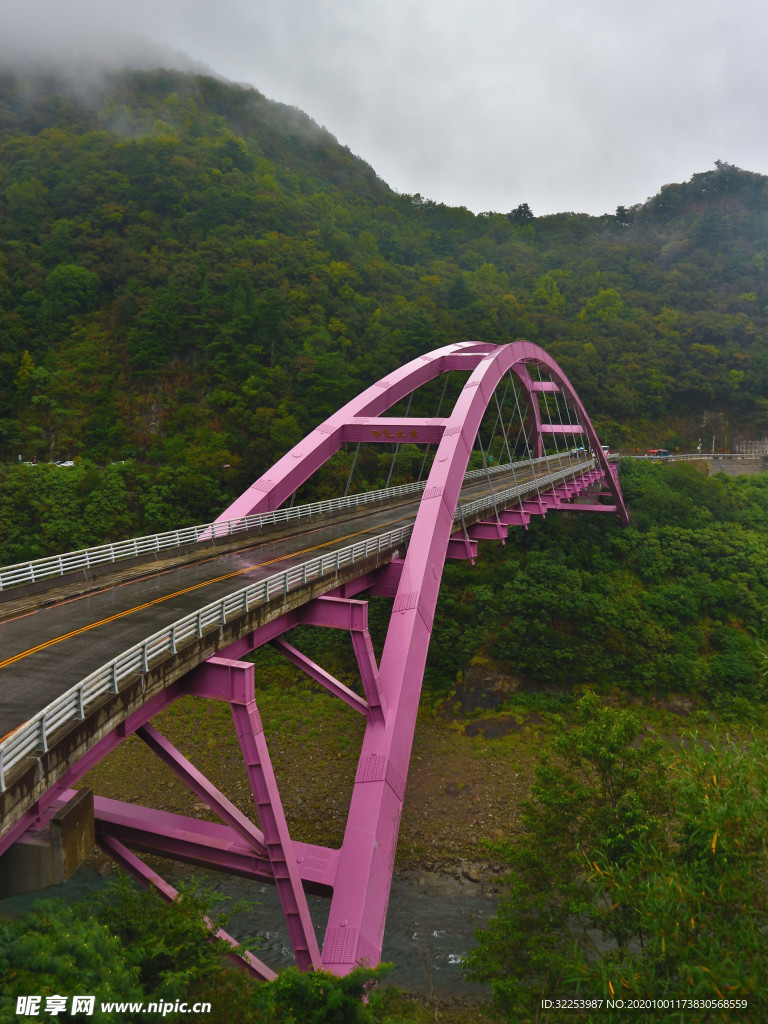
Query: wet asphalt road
[[46, 651]]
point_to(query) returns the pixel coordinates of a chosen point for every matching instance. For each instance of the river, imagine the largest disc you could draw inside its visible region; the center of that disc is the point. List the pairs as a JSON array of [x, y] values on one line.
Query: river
[[430, 924]]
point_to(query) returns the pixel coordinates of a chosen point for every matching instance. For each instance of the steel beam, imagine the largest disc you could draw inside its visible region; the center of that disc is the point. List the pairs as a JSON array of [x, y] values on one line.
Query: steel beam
[[149, 878], [319, 674], [205, 790]]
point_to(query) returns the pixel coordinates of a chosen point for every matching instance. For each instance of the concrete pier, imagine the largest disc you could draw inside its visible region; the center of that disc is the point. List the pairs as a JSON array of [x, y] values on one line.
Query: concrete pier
[[51, 854]]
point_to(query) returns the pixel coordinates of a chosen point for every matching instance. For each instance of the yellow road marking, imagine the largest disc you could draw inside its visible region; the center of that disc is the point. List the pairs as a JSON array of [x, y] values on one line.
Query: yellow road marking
[[187, 590], [178, 593]]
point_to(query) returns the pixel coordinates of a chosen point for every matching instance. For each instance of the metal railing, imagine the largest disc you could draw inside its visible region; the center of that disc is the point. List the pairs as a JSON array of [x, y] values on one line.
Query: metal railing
[[86, 558], [32, 737], [540, 483]]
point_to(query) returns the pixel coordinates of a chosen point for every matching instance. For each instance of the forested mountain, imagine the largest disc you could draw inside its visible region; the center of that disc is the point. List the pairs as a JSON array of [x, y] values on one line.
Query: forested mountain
[[191, 273], [192, 277]]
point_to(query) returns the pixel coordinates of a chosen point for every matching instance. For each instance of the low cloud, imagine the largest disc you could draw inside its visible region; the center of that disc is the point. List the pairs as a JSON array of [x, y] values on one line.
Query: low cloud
[[580, 105]]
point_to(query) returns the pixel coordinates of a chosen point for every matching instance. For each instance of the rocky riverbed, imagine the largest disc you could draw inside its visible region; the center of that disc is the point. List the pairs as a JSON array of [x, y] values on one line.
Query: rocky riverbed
[[466, 779]]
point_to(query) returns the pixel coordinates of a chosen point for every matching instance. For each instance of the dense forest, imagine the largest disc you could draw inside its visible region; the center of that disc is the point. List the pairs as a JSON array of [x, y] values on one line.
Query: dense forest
[[192, 274]]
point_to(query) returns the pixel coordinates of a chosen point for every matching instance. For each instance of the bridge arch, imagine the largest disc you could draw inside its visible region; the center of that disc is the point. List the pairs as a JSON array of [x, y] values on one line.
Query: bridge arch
[[362, 417], [356, 922]]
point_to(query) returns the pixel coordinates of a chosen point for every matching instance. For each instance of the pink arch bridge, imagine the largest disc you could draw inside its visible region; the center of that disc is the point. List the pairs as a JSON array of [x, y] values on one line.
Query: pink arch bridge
[[408, 568]]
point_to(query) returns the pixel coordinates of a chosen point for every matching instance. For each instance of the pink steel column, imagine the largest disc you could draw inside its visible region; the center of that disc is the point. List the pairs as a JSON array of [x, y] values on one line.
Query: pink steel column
[[233, 681], [342, 613], [204, 789], [250, 733], [319, 674]]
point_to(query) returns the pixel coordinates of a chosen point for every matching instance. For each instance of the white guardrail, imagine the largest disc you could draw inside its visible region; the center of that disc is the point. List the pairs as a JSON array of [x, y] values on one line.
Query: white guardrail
[[32, 738], [57, 565]]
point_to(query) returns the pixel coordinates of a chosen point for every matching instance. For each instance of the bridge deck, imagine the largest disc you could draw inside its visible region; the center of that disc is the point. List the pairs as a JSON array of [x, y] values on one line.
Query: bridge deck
[[47, 649]]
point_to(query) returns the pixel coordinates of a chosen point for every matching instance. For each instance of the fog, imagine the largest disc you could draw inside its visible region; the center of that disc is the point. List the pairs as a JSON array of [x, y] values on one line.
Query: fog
[[580, 105]]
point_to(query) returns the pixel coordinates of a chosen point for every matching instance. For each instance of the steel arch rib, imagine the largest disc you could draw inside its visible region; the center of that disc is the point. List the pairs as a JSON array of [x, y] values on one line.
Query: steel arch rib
[[355, 927]]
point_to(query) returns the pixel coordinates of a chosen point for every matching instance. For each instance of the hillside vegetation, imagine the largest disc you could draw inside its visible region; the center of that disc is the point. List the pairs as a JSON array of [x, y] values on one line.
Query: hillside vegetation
[[191, 278], [192, 274]]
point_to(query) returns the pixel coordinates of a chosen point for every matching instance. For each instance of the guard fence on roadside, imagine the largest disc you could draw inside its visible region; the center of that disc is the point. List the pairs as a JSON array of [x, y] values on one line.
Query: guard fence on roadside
[[86, 558]]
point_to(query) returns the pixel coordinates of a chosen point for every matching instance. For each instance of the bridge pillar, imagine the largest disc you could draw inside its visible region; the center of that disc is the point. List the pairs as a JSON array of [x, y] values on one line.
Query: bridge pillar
[[51, 853]]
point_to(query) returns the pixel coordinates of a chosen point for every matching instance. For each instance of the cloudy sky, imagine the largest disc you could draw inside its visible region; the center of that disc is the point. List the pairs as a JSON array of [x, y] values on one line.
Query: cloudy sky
[[564, 104]]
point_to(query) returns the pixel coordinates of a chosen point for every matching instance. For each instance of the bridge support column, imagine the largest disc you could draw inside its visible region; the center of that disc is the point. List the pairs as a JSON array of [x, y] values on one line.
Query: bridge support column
[[488, 529], [515, 517], [225, 679], [149, 878], [461, 547], [51, 854]]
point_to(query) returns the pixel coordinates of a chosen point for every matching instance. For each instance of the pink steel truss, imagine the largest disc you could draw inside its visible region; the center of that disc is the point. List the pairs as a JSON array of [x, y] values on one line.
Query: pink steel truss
[[358, 875]]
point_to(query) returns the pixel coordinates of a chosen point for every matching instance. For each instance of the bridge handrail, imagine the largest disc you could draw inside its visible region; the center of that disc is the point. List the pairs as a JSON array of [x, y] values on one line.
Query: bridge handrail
[[85, 558], [32, 737]]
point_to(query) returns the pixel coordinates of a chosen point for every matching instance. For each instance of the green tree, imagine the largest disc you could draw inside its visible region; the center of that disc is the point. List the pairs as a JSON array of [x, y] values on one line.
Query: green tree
[[53, 951], [129, 945], [69, 289], [699, 904], [521, 214], [635, 873], [594, 798], [603, 307], [547, 295]]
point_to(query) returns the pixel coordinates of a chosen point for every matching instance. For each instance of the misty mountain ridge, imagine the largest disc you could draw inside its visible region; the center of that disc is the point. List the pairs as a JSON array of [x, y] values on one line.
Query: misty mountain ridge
[[188, 267], [150, 100], [160, 102]]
